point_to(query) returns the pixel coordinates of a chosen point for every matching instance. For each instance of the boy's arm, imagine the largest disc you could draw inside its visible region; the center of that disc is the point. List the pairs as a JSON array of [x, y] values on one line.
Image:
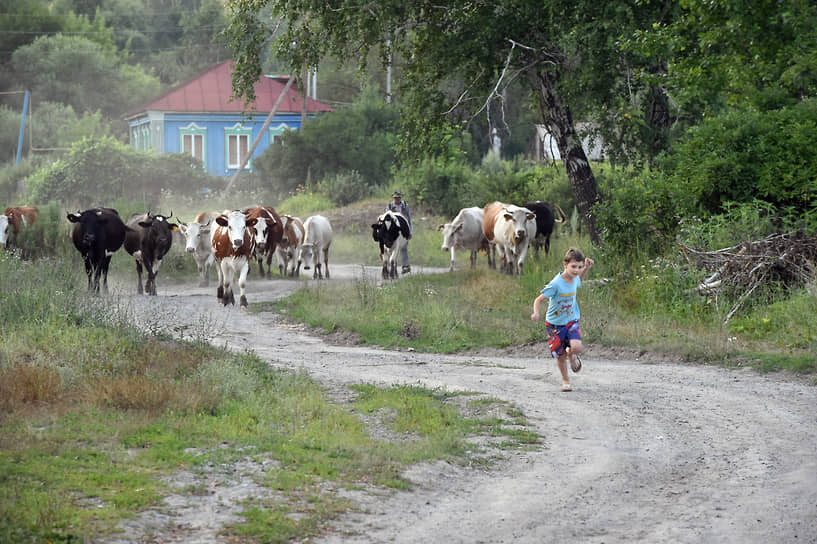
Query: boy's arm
[[536, 303], [588, 263]]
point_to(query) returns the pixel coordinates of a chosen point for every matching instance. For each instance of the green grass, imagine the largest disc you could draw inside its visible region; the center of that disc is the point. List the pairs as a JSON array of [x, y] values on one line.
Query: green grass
[[93, 414]]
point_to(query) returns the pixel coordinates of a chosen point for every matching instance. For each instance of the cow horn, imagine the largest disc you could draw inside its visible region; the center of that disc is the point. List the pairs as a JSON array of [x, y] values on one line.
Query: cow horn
[[169, 216]]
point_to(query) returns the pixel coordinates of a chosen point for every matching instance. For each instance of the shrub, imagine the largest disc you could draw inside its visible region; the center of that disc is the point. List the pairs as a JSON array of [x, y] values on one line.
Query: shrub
[[95, 172], [440, 185], [745, 156], [345, 187]]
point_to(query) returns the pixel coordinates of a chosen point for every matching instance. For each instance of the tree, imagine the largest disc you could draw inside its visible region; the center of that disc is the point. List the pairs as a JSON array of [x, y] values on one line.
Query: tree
[[84, 74], [476, 49]]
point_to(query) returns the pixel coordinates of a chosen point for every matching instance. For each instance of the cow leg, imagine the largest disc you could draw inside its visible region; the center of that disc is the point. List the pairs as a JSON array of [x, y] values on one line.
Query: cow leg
[[547, 245], [227, 273], [220, 289], [473, 258], [242, 283], [326, 262], [139, 278], [89, 271], [106, 262]]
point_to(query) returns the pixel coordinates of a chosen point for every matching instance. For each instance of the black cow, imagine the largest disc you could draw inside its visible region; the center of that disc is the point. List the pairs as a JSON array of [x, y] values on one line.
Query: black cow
[[545, 221], [391, 232], [148, 240], [98, 234]]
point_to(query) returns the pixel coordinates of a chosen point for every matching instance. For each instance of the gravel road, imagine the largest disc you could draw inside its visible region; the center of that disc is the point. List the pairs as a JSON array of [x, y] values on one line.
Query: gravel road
[[654, 451]]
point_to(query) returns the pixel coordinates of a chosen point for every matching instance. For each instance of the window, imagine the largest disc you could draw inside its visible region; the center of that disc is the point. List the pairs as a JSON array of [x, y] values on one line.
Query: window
[[192, 141], [274, 132], [238, 146]]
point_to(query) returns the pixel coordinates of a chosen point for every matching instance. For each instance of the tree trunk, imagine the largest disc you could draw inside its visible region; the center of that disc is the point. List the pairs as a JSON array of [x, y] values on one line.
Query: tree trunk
[[558, 120]]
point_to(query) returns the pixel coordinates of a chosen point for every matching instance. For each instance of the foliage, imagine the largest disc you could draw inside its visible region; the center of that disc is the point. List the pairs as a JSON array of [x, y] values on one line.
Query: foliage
[[99, 171], [11, 176], [746, 156], [77, 60], [345, 187], [721, 55], [356, 138], [304, 202], [440, 185]]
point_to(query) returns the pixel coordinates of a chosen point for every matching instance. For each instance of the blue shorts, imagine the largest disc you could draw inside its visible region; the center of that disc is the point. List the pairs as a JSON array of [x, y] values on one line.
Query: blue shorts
[[559, 336]]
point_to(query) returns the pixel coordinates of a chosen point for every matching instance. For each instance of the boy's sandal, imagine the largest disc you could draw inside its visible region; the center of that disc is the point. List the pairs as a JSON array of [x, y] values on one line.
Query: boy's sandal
[[566, 387]]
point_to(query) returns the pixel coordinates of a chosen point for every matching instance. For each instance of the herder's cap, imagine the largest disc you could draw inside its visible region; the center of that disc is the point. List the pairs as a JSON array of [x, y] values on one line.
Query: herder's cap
[[397, 194]]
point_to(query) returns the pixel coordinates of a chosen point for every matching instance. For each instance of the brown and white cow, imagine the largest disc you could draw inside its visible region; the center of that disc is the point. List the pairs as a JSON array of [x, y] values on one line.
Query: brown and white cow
[[290, 245], [510, 229], [197, 242], [233, 241], [268, 234], [14, 220]]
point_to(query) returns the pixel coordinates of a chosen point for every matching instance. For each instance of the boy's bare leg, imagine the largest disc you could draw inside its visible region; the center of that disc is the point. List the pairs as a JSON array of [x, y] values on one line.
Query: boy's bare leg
[[561, 362]]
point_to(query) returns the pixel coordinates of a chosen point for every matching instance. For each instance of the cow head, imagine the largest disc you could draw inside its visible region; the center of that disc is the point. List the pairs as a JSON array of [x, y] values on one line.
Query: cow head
[[159, 230], [4, 229], [519, 217], [193, 233], [262, 229], [89, 225], [451, 233], [307, 255], [236, 224]]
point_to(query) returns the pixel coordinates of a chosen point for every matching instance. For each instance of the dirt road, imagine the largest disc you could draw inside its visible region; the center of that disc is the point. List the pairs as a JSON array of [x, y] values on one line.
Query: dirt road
[[639, 452]]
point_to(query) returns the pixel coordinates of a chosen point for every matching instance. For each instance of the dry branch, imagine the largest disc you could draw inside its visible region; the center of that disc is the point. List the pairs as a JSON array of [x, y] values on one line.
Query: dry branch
[[788, 259]]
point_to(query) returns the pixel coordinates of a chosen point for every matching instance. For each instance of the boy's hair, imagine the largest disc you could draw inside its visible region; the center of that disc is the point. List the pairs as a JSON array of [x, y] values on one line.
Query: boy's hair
[[574, 254]]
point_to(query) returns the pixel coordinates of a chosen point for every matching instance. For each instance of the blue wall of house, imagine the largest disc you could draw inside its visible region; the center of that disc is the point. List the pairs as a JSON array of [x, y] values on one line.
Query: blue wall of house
[[144, 134], [215, 127]]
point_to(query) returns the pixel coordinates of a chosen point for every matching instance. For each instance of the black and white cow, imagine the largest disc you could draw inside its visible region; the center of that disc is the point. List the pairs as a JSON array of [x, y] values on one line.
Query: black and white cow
[[391, 232], [98, 234], [545, 222], [148, 240]]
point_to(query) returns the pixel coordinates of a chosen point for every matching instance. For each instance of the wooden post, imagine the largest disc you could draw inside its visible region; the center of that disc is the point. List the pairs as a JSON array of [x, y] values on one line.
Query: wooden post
[[246, 159]]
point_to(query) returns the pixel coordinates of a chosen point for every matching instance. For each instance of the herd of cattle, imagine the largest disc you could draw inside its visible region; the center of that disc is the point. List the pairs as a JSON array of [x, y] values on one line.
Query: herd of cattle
[[231, 240]]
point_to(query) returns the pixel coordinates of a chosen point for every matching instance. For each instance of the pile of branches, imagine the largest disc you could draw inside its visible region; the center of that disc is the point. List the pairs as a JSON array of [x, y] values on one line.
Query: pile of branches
[[788, 260]]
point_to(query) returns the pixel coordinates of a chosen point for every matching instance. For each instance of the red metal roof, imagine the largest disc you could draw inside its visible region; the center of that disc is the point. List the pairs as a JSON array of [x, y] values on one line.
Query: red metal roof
[[212, 91]]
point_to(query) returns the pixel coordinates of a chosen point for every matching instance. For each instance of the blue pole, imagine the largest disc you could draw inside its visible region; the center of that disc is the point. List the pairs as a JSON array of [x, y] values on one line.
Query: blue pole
[[22, 129]]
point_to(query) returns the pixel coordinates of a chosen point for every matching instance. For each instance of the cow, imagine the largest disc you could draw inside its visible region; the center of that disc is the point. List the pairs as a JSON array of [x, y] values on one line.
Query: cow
[[465, 232], [148, 240], [391, 232], [290, 246], [545, 221], [315, 247], [18, 218], [197, 242], [233, 241], [509, 228], [98, 233], [268, 234]]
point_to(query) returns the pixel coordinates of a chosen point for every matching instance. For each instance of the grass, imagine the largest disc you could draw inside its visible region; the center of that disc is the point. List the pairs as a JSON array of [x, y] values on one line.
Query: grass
[[94, 413], [649, 307]]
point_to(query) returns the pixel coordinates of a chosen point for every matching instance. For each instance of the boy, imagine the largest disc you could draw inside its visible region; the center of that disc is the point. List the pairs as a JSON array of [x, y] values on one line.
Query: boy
[[562, 318]]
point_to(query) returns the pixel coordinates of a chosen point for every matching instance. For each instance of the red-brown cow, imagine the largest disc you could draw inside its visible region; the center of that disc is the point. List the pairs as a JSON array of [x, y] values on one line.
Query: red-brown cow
[[290, 245], [16, 217], [233, 241], [268, 234]]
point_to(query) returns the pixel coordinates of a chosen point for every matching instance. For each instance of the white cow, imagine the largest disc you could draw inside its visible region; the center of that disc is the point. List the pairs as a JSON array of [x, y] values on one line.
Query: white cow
[[4, 228], [315, 248], [290, 245], [197, 242], [465, 232], [514, 228], [233, 242]]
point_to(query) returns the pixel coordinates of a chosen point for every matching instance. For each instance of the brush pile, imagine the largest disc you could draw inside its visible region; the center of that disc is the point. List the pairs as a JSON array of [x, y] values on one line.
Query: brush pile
[[788, 259]]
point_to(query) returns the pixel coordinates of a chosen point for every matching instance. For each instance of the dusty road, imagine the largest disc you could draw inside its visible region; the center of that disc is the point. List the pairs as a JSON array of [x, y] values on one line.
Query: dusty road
[[638, 452]]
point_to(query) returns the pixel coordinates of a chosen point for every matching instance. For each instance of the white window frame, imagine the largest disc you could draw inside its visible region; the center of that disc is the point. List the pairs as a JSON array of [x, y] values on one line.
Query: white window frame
[[194, 131], [237, 133], [275, 132]]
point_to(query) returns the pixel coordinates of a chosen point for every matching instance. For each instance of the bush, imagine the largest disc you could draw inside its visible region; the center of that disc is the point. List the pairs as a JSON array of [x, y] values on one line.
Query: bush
[[345, 187], [440, 185], [95, 172], [746, 156]]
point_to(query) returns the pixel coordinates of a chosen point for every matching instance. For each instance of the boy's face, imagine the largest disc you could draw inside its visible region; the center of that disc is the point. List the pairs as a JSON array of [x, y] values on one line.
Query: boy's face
[[574, 268]]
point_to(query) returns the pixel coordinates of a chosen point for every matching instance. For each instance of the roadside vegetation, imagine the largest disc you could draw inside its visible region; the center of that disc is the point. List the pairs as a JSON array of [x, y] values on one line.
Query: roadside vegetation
[[93, 413]]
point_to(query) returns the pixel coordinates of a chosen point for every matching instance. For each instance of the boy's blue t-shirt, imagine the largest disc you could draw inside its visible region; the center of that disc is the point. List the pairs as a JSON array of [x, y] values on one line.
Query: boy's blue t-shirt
[[562, 304]]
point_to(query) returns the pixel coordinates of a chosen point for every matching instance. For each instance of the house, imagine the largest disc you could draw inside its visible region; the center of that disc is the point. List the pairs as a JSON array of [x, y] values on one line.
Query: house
[[201, 118], [542, 146]]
